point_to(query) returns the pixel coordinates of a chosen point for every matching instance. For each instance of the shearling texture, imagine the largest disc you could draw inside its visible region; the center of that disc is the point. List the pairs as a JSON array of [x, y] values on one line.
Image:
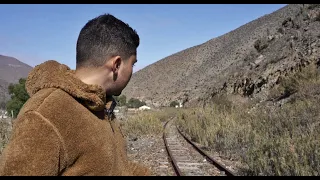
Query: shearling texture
[[62, 130]]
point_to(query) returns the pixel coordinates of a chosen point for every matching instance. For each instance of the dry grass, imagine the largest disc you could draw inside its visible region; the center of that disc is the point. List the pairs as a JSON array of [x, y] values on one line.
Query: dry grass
[[5, 131], [148, 122], [304, 84], [270, 141]]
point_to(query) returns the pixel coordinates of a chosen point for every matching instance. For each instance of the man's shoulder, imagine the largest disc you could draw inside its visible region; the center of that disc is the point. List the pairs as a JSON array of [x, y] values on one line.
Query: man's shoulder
[[48, 99], [55, 106], [58, 99]]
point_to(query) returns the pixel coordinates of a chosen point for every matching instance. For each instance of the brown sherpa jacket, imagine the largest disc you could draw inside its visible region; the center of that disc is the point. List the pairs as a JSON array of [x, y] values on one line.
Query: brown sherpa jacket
[[62, 130]]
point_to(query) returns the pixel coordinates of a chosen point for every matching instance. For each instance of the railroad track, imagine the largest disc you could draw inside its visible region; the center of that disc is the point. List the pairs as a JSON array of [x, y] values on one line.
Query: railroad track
[[188, 159]]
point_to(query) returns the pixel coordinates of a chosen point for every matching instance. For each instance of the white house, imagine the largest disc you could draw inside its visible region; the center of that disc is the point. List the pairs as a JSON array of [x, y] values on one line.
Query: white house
[[144, 107], [3, 114], [180, 105]]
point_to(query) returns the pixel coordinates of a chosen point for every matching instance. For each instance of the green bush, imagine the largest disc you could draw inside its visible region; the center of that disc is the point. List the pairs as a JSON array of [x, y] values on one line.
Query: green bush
[[135, 103], [174, 104], [19, 96]]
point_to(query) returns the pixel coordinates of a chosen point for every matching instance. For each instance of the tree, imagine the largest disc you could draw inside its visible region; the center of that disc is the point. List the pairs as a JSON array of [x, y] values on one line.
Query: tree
[[19, 96], [174, 104], [121, 100], [135, 103]]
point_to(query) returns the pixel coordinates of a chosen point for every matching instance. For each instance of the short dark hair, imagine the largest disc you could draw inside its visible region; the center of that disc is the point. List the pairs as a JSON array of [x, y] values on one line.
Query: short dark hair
[[103, 37]]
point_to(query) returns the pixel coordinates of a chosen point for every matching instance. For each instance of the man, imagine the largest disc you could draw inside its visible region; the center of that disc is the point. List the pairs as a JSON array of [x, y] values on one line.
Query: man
[[63, 129]]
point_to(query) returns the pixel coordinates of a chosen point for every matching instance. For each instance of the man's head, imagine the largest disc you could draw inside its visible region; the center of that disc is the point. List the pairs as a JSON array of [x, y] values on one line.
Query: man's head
[[106, 51]]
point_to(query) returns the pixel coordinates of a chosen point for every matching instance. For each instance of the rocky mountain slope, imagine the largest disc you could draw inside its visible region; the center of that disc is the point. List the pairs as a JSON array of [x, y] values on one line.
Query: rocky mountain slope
[[247, 61], [11, 70]]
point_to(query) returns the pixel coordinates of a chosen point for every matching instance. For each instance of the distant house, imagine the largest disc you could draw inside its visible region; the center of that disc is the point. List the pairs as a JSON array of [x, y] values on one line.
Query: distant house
[[132, 109], [180, 105], [3, 114], [144, 107]]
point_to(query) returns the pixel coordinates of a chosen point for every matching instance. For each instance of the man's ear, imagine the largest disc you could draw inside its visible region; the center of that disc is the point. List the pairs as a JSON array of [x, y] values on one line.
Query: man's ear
[[114, 64]]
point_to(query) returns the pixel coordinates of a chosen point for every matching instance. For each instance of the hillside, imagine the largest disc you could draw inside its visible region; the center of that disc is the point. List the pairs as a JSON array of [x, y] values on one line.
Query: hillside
[[11, 70], [247, 61]]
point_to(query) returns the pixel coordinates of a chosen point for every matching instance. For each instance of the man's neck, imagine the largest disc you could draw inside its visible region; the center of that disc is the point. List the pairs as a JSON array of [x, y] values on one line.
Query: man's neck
[[89, 76]]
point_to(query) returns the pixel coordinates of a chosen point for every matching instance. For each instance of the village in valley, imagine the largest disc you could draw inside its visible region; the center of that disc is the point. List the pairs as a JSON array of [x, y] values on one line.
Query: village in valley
[[124, 109]]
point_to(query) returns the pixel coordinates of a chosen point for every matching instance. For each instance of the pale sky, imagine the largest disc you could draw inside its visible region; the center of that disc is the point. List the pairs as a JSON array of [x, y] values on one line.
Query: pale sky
[[36, 33]]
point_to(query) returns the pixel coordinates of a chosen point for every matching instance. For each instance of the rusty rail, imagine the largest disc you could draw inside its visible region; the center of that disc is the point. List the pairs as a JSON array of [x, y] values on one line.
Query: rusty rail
[[208, 157], [172, 160]]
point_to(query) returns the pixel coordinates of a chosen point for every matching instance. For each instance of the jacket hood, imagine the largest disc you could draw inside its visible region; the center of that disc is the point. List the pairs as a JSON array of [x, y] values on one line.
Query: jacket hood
[[52, 74]]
